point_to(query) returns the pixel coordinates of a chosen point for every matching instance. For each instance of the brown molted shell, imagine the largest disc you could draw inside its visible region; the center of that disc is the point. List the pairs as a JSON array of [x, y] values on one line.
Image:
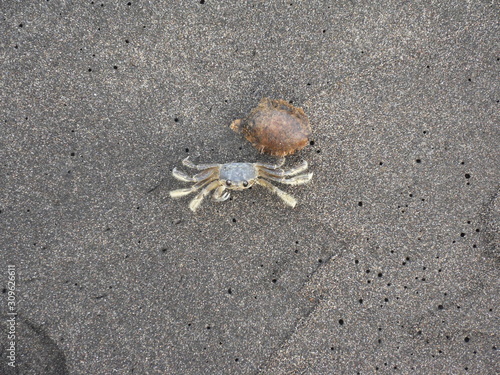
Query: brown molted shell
[[275, 127]]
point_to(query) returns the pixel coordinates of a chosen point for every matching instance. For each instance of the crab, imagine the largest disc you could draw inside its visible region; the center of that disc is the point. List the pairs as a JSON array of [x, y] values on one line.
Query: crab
[[275, 127], [238, 176]]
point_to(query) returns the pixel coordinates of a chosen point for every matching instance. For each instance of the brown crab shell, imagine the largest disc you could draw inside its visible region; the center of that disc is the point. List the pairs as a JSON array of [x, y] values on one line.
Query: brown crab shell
[[275, 127]]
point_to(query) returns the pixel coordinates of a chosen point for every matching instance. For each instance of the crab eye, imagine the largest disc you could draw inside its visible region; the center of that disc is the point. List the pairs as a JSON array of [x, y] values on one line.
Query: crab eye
[[245, 183], [228, 182]]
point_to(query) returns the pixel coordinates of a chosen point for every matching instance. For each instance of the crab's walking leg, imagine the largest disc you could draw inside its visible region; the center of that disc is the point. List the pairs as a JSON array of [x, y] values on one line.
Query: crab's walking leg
[[219, 195], [193, 205], [296, 170], [272, 166], [287, 198], [200, 167], [297, 180], [182, 192], [196, 178], [289, 172], [182, 176]]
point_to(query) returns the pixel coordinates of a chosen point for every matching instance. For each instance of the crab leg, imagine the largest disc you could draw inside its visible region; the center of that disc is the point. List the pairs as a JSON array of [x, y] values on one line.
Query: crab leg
[[190, 164], [183, 192], [297, 180], [290, 172], [272, 166], [196, 178], [193, 205], [287, 198], [218, 194]]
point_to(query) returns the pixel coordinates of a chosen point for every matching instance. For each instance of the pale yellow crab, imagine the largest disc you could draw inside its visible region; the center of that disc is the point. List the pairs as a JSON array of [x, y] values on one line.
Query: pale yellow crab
[[238, 176]]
